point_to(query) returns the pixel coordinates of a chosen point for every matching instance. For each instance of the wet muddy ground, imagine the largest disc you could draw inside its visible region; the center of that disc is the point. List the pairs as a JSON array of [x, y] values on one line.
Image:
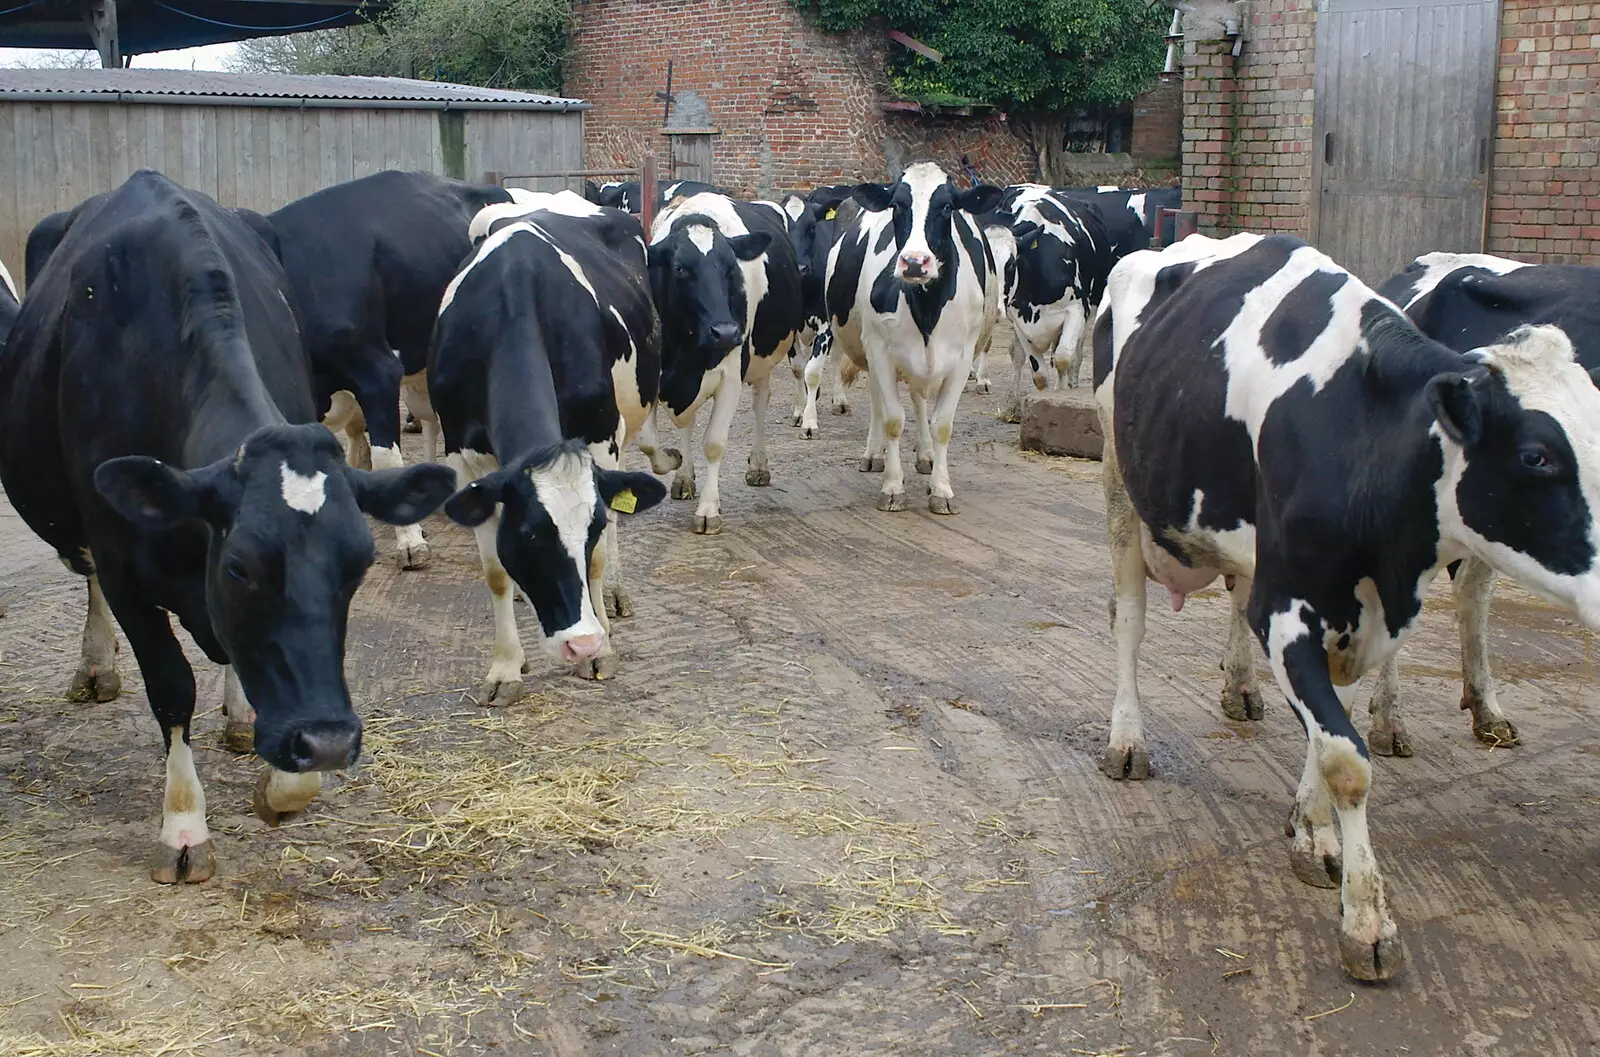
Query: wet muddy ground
[[841, 799]]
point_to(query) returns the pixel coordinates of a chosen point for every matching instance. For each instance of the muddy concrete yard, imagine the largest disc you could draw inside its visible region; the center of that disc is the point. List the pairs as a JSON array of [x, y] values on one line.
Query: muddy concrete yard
[[841, 799]]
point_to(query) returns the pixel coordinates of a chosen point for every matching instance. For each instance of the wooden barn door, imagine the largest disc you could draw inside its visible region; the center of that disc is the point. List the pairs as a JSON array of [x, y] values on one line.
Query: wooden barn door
[[691, 155], [1404, 119]]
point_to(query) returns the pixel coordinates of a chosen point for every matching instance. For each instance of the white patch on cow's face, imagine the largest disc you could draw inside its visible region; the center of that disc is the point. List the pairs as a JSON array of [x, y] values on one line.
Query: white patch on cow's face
[[1435, 266], [10, 284], [565, 488], [1540, 368], [303, 493], [702, 237], [924, 178]]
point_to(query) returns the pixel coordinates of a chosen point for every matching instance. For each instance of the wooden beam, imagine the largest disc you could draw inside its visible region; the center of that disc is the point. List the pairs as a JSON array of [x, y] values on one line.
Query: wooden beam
[[102, 19], [917, 46]]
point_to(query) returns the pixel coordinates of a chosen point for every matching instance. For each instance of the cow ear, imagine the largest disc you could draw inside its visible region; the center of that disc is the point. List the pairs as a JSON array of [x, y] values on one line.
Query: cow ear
[[591, 191], [154, 495], [475, 503], [979, 199], [263, 229], [1455, 407], [404, 495], [1025, 231], [629, 493], [749, 247], [876, 197]]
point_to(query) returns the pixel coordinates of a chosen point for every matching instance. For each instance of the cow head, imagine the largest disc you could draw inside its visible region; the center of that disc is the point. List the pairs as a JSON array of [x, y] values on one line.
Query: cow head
[[813, 233], [698, 282], [289, 547], [552, 511], [923, 201], [1521, 484], [1046, 296]]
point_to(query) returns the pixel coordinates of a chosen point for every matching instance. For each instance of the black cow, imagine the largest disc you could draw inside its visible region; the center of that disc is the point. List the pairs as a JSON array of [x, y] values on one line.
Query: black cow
[[545, 364], [1270, 419], [1055, 268], [369, 260], [161, 435], [1467, 300], [626, 196], [727, 288], [10, 303], [818, 220]]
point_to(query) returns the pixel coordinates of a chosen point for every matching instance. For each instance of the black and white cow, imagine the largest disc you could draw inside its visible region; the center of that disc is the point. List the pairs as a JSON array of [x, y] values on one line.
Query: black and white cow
[[1465, 301], [10, 303], [626, 196], [913, 293], [1132, 216], [727, 289], [819, 219], [1272, 420], [369, 260], [545, 364], [1054, 278], [161, 435]]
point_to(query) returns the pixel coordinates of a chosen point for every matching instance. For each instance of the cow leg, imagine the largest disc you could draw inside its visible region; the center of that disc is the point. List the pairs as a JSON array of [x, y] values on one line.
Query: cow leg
[[1338, 772], [891, 414], [662, 460], [1075, 335], [615, 597], [97, 678], [708, 517], [797, 367], [980, 370], [414, 388], [941, 497], [1241, 698], [1012, 412], [816, 363], [843, 375], [507, 662], [925, 447], [240, 734], [683, 481], [1387, 735], [344, 418], [1125, 752], [872, 459], [758, 472], [184, 851], [1474, 586], [379, 397]]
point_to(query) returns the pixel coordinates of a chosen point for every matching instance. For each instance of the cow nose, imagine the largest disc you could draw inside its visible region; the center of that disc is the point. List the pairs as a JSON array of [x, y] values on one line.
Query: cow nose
[[805, 270], [583, 647], [324, 745], [725, 335], [915, 265]]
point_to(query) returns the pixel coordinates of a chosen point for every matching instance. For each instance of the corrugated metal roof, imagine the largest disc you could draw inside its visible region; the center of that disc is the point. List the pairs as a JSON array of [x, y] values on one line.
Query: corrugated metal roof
[[267, 89]]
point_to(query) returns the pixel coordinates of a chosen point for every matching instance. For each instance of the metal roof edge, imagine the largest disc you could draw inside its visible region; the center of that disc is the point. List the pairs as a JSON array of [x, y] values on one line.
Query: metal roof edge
[[292, 102]]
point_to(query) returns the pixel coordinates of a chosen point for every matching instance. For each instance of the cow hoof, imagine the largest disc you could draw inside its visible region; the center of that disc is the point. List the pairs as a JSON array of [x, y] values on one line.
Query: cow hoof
[[809, 433], [1314, 868], [1497, 732], [411, 426], [415, 556], [1011, 413], [280, 794], [1394, 742], [619, 605], [757, 478], [599, 668], [796, 418], [239, 736], [92, 683], [841, 407], [942, 504], [924, 464], [1125, 762], [497, 693], [682, 489], [1371, 960], [1240, 704], [891, 501], [188, 865], [982, 387], [870, 464], [708, 526]]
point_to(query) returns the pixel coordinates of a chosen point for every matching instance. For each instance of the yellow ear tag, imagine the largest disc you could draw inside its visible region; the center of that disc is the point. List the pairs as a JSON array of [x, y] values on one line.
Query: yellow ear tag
[[831, 213], [625, 502]]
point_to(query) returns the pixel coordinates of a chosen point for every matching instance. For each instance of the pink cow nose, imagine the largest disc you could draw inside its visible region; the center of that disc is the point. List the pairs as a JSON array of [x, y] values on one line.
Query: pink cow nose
[[583, 647], [915, 265]]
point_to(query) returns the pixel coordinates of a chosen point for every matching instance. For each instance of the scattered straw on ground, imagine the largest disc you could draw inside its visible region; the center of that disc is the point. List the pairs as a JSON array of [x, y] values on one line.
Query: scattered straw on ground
[[178, 1034]]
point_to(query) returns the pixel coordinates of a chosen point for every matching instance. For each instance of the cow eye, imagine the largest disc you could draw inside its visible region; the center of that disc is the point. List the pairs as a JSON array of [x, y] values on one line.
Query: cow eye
[[237, 571], [1537, 460], [680, 271]]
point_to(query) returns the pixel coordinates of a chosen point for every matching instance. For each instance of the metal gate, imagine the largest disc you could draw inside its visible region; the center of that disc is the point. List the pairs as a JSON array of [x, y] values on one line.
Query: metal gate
[[1403, 125]]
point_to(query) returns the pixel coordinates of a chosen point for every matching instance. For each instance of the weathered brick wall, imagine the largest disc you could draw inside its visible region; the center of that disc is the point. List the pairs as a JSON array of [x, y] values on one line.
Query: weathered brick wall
[[1158, 124], [999, 157], [1544, 203], [1247, 123]]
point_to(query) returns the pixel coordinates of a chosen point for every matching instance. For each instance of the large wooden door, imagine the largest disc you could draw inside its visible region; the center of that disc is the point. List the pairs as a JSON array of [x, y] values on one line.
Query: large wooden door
[[1403, 122]]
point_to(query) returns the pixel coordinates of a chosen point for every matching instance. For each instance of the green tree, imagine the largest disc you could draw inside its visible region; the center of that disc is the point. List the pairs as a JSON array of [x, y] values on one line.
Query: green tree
[[514, 44], [1038, 60]]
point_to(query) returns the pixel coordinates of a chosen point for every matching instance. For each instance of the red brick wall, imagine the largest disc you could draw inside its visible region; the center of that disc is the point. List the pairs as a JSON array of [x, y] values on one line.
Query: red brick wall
[[999, 157], [1247, 123], [1158, 124], [1544, 203]]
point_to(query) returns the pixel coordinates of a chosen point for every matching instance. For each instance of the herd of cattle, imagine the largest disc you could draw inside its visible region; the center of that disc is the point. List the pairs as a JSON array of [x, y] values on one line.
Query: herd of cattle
[[1325, 448]]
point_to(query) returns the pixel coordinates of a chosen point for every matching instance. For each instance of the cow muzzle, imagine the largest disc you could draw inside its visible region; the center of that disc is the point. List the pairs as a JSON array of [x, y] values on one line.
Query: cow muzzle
[[582, 647], [918, 269], [321, 745], [724, 336]]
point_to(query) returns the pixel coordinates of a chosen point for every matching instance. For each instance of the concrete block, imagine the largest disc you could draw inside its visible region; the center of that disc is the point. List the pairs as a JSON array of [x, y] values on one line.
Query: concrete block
[[1062, 422]]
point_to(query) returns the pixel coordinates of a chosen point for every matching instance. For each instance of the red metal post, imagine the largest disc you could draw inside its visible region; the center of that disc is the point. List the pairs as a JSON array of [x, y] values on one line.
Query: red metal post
[[647, 194], [1186, 224]]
